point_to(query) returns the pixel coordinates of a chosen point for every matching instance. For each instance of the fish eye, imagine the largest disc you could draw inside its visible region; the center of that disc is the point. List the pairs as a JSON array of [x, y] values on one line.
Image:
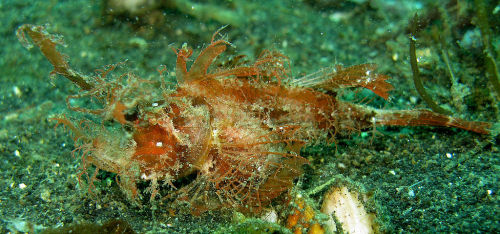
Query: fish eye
[[132, 115]]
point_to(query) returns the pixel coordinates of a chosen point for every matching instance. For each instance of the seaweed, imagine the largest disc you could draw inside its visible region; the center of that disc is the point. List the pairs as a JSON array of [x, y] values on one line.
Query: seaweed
[[491, 66], [416, 72]]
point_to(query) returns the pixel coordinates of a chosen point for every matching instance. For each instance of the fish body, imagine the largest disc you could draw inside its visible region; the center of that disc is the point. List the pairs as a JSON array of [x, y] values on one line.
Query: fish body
[[235, 133]]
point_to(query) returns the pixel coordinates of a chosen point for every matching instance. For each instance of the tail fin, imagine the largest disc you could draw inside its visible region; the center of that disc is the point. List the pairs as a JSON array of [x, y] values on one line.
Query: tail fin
[[428, 118]]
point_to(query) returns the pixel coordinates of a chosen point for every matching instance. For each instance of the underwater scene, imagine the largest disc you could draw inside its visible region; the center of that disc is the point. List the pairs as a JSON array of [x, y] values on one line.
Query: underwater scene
[[232, 116]]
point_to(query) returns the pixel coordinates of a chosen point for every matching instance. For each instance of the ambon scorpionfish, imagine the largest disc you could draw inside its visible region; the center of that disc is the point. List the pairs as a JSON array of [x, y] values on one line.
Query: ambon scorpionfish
[[236, 132]]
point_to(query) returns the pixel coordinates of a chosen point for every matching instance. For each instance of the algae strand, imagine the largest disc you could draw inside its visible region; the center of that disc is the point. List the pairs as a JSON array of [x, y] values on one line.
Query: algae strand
[[416, 72]]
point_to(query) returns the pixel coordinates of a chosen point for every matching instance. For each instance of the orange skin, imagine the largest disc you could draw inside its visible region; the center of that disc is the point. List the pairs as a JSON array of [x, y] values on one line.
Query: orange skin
[[239, 129]]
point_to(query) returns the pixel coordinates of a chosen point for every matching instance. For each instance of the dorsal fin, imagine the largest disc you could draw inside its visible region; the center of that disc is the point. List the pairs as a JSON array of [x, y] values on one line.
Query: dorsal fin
[[205, 59], [199, 69], [332, 78], [183, 55]]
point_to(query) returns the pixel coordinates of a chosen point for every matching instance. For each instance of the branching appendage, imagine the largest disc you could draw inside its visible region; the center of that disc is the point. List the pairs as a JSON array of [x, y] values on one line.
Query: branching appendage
[[272, 64], [75, 130], [82, 137], [47, 44]]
